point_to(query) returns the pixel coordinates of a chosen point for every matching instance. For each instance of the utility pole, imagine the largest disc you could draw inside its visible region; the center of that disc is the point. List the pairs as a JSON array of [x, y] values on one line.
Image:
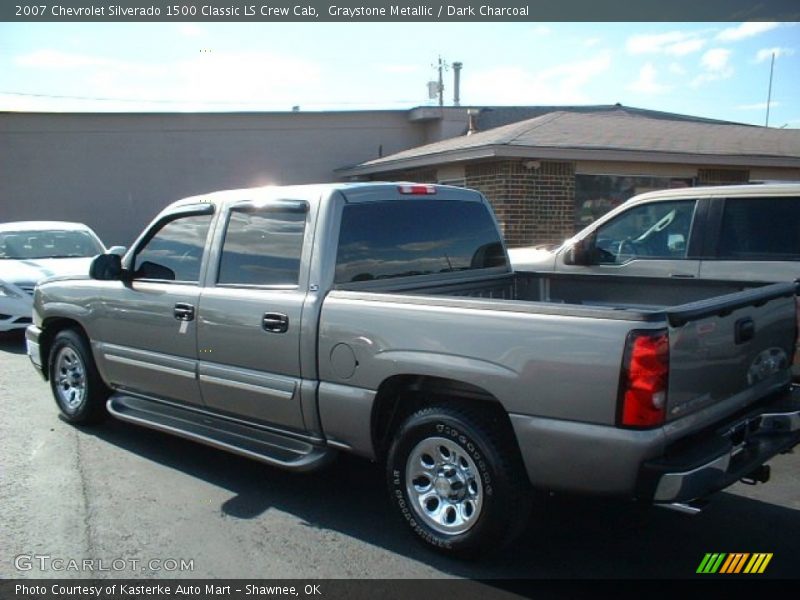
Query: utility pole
[[441, 81], [769, 92]]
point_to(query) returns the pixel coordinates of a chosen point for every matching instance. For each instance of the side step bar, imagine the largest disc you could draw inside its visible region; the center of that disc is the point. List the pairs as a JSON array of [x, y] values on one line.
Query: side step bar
[[253, 442]]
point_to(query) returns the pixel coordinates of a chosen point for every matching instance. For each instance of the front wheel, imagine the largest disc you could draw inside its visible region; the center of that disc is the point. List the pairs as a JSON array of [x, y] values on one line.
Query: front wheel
[[77, 387], [457, 480]]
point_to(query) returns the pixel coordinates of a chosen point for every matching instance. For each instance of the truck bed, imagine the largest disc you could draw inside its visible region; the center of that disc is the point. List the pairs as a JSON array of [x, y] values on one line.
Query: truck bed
[[638, 297]]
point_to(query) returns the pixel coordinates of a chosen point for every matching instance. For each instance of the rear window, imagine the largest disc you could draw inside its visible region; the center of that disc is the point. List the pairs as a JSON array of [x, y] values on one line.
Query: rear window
[[381, 240], [760, 229]]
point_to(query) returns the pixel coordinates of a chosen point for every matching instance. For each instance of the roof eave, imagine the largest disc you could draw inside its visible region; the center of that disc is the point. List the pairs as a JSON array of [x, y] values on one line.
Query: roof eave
[[570, 154]]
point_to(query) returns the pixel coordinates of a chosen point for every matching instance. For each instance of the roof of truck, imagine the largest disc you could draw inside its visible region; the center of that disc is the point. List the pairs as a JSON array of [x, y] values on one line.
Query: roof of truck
[[354, 191], [729, 191]]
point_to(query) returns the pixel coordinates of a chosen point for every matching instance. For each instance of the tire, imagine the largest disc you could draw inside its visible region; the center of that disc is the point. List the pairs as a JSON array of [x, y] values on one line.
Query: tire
[[77, 387], [457, 480]]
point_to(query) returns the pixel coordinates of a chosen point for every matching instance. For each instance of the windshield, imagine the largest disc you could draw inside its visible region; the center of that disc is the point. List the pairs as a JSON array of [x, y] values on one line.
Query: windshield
[[32, 245]]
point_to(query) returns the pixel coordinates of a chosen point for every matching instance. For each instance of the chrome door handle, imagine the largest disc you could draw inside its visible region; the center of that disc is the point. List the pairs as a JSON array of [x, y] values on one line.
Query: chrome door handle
[[275, 322], [184, 312]]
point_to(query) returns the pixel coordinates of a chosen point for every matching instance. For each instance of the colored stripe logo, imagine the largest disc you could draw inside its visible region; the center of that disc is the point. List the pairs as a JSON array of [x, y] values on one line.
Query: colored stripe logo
[[734, 563]]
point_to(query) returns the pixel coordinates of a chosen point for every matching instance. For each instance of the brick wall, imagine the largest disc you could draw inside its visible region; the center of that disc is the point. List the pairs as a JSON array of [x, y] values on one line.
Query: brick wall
[[533, 206]]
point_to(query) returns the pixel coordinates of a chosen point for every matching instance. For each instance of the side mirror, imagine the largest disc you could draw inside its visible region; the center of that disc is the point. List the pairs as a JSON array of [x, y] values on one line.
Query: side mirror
[[118, 250], [106, 267], [579, 253]]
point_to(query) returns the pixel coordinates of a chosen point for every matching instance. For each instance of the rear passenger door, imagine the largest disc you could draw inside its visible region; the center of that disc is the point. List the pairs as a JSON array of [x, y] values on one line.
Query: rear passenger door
[[250, 315], [754, 239]]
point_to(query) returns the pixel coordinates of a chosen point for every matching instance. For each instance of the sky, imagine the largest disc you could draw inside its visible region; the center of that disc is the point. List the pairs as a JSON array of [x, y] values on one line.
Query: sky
[[715, 70]]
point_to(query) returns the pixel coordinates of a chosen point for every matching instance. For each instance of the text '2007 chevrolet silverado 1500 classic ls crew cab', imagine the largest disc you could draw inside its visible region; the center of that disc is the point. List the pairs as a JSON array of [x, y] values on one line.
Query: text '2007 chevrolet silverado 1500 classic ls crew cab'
[[289, 323]]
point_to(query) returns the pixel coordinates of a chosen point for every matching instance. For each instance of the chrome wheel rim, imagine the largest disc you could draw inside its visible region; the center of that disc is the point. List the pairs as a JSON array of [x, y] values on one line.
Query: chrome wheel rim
[[444, 486], [70, 378]]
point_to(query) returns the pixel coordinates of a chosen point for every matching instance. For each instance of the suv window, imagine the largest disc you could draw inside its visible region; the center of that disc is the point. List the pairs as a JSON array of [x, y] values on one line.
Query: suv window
[[262, 247], [380, 240], [654, 230], [175, 251], [760, 229]]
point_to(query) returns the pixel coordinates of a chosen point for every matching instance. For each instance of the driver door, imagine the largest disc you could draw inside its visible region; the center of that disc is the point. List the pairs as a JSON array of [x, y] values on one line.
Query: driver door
[[649, 240]]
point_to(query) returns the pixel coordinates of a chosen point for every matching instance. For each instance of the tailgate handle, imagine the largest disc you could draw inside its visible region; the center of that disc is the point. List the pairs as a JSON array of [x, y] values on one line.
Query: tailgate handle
[[745, 330]]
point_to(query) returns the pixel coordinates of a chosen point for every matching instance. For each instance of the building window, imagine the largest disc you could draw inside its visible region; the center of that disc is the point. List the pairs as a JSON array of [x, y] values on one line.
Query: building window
[[595, 195]]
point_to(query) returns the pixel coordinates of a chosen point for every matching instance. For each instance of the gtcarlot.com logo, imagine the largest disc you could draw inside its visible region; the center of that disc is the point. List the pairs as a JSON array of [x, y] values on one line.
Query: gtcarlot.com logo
[[734, 563]]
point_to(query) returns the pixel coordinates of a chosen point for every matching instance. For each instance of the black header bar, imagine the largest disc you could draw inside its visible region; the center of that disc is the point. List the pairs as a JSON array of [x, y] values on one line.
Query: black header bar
[[316, 11]]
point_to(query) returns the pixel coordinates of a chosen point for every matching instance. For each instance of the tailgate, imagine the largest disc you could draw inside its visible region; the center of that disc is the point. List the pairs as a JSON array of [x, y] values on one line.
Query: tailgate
[[738, 347]]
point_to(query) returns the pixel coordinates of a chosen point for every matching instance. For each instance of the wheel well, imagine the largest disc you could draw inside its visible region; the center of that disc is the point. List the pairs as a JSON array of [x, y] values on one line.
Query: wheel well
[[50, 329], [402, 395]]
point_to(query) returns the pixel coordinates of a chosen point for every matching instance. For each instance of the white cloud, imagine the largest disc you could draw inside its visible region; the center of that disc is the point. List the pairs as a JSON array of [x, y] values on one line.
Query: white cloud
[[592, 42], [646, 83], [542, 30], [745, 30], [562, 84], [716, 59], [766, 53], [685, 47], [674, 43], [677, 69], [758, 106], [716, 66], [191, 30], [55, 59], [228, 80], [399, 68]]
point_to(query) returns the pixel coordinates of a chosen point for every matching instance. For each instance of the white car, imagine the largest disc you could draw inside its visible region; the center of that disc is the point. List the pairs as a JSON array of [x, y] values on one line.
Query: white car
[[31, 251]]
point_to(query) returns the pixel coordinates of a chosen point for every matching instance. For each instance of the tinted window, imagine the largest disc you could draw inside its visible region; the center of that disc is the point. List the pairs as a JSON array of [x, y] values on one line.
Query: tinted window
[[175, 251], [762, 228], [654, 230], [395, 239], [262, 247]]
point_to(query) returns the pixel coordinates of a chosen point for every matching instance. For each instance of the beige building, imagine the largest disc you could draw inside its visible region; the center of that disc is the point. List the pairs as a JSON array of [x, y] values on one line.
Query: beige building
[[114, 172], [547, 170]]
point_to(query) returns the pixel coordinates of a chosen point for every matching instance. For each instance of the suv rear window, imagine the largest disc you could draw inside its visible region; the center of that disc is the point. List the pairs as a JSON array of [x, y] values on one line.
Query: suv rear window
[[381, 240], [760, 229]]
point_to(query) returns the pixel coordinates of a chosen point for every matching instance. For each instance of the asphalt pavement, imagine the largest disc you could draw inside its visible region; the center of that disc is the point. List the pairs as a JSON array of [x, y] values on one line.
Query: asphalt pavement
[[130, 502]]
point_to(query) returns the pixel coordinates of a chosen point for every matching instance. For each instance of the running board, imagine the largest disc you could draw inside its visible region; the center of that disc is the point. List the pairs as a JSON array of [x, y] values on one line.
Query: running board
[[253, 442]]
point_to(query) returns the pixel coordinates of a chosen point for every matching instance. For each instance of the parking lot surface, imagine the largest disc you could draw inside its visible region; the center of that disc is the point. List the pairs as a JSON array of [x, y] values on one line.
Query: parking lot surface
[[166, 507]]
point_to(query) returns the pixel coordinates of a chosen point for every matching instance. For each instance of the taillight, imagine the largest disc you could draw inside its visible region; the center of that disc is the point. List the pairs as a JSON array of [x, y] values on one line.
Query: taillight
[[416, 189], [643, 381]]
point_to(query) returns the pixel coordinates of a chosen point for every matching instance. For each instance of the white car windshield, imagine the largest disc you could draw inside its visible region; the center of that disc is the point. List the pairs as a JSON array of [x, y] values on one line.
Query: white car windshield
[[33, 245]]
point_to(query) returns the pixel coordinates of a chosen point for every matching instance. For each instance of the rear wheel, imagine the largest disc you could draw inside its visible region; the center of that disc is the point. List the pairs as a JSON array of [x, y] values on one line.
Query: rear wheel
[[457, 483], [77, 387]]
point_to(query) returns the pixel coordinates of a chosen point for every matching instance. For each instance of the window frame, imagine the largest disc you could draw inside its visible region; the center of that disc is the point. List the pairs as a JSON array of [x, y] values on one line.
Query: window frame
[[280, 205], [164, 220], [411, 281], [698, 216]]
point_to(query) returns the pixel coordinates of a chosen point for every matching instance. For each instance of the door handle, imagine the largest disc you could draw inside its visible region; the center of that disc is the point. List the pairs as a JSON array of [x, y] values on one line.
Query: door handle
[[275, 322], [184, 312], [681, 275]]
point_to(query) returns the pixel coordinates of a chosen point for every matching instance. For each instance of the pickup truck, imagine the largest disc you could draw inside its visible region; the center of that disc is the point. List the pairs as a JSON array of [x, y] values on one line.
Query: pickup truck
[[287, 324], [734, 233]]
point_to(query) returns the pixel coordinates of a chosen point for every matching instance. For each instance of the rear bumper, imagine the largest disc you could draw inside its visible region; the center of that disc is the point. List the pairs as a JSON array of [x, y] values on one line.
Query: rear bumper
[[713, 460]]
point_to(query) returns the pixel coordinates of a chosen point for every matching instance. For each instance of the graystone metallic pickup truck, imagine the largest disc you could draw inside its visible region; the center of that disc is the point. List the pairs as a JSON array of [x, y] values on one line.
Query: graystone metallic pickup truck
[[289, 323]]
